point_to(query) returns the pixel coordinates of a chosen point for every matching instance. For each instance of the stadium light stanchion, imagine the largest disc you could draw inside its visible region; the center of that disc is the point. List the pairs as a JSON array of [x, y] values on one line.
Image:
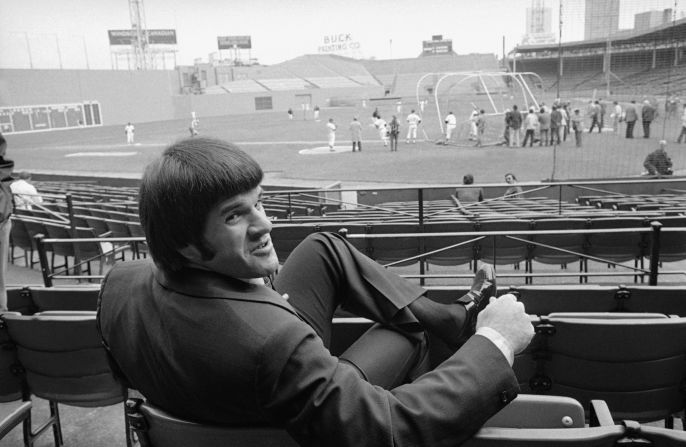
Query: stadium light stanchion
[[654, 252], [43, 258]]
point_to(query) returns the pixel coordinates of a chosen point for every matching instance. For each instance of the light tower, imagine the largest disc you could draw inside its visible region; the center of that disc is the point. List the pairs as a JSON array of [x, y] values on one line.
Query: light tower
[[139, 41]]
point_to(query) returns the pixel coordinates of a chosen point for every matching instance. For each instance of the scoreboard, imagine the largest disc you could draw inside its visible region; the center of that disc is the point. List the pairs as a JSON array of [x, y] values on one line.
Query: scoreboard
[[38, 118]]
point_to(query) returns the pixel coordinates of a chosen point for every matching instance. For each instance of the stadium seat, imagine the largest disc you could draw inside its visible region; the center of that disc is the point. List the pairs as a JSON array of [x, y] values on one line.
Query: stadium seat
[[542, 300], [65, 298], [286, 237], [637, 365], [558, 248], [620, 246], [20, 238], [503, 249], [462, 248], [12, 389], [672, 241], [63, 360], [157, 428], [393, 250], [668, 299]]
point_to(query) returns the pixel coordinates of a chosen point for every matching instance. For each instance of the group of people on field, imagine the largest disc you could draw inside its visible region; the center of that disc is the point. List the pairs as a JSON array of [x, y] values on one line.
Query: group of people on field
[[388, 131]]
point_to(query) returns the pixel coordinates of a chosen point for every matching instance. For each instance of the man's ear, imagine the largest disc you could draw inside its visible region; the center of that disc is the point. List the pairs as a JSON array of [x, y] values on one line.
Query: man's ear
[[191, 253]]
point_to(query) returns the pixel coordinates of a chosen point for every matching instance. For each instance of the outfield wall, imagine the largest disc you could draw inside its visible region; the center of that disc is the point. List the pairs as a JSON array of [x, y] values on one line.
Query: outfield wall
[[136, 96], [147, 96]]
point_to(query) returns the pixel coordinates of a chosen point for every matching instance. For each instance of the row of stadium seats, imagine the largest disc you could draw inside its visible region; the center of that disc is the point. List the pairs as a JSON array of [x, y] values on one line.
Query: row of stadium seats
[[559, 241], [565, 357]]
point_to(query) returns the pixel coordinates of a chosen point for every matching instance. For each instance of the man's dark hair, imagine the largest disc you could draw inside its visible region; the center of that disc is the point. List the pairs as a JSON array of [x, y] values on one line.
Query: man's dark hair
[[181, 187], [468, 179]]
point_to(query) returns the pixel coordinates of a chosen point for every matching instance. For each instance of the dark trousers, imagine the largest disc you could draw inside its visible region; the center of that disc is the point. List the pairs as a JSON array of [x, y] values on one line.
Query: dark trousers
[[646, 129], [544, 137], [394, 142], [682, 135], [630, 129], [554, 135], [324, 272], [357, 144], [595, 123], [529, 134]]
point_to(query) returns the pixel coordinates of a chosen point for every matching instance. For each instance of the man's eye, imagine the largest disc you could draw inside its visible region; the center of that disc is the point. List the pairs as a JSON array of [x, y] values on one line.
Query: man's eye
[[231, 218]]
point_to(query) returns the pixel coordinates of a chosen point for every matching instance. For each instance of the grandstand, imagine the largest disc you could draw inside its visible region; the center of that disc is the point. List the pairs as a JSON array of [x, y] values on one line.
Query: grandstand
[[637, 59]]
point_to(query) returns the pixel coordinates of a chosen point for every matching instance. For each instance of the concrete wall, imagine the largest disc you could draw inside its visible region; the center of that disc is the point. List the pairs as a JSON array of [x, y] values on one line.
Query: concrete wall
[[138, 96], [146, 96], [241, 103]]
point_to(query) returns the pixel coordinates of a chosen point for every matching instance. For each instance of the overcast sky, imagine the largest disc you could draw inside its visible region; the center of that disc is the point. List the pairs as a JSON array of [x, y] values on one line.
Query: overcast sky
[[73, 33]]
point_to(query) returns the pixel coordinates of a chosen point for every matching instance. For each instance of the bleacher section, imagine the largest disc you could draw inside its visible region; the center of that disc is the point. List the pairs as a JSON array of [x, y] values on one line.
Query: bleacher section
[[242, 86], [282, 84], [332, 82]]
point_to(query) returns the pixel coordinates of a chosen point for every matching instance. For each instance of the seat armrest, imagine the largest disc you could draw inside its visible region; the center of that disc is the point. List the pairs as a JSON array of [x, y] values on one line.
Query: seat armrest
[[599, 414]]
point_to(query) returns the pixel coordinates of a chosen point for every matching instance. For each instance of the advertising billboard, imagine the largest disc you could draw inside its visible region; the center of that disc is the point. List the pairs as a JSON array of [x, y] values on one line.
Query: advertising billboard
[[231, 42]]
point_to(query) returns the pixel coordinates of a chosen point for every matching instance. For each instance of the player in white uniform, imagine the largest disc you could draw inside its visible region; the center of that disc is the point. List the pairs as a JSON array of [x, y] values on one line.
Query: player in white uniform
[[380, 124], [450, 125], [129, 129], [331, 126], [413, 121]]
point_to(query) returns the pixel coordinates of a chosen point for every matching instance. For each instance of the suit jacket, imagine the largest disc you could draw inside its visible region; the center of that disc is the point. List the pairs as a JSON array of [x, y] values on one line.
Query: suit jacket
[[630, 113], [217, 350]]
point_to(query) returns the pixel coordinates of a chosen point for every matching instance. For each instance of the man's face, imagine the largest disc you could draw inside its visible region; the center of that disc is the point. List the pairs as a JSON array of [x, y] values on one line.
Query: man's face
[[237, 229], [509, 179]]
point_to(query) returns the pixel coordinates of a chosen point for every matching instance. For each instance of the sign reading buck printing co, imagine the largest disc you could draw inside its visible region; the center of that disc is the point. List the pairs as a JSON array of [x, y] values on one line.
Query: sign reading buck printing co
[[231, 42]]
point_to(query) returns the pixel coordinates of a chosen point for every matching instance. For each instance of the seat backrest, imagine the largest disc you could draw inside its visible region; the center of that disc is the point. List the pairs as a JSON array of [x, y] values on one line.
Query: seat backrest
[[286, 237], [457, 254], [64, 360], [571, 243], [620, 246], [637, 365], [157, 428], [20, 235], [65, 298], [504, 249], [56, 231], [10, 382], [542, 300], [668, 299]]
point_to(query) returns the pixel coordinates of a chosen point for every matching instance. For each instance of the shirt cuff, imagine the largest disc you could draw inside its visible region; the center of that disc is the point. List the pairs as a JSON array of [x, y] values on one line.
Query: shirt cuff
[[499, 341]]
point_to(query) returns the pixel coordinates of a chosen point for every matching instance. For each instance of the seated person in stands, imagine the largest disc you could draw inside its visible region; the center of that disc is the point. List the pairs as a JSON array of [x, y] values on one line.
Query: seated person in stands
[[658, 162], [467, 195], [210, 332], [514, 190]]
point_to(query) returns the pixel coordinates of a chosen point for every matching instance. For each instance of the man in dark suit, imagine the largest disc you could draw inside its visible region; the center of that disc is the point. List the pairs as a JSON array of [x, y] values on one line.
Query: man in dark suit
[[630, 116], [203, 335]]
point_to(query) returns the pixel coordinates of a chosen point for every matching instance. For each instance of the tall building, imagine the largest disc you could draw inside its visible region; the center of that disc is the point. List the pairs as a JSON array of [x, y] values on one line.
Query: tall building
[[602, 19], [650, 19], [539, 20]]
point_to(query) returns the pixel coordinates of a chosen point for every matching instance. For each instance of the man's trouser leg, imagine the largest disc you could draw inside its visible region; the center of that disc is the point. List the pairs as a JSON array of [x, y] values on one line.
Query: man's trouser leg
[[325, 272]]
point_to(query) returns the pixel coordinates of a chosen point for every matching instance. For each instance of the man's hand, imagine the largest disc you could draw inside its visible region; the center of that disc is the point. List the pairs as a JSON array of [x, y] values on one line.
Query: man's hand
[[507, 316]]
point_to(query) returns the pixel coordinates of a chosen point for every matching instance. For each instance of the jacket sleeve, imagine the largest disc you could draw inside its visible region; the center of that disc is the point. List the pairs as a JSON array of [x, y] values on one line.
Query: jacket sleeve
[[322, 401]]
